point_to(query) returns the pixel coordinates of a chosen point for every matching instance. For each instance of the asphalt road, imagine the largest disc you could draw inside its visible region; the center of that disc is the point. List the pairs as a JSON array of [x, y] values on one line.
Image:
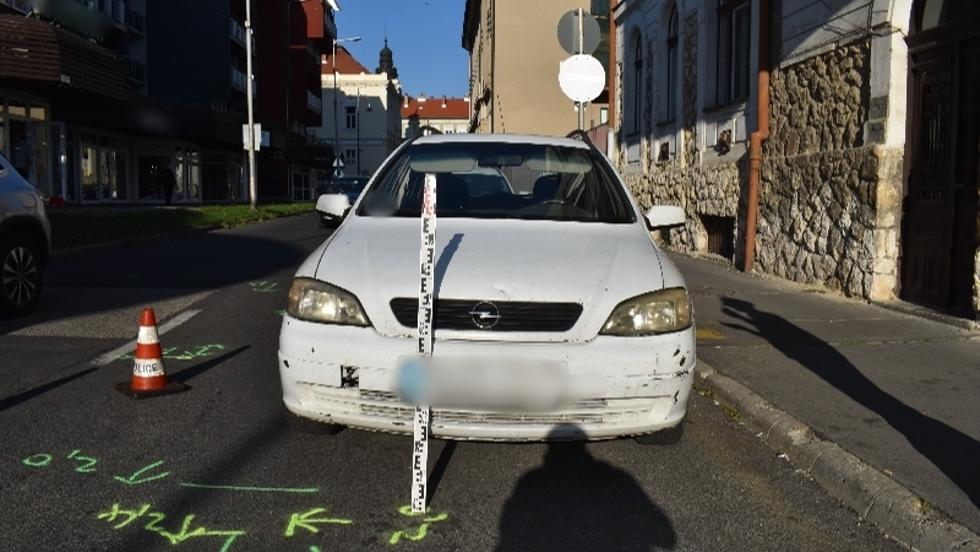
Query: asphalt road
[[216, 468]]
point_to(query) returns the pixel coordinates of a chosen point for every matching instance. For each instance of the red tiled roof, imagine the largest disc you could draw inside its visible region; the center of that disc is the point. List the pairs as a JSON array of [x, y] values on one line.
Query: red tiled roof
[[346, 64], [436, 108]]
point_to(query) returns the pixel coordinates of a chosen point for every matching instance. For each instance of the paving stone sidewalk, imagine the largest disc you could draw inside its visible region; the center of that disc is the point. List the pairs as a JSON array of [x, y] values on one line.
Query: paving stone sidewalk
[[900, 392]]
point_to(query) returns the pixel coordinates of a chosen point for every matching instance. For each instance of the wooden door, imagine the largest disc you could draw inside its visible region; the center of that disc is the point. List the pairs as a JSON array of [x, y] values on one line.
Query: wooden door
[[940, 224]]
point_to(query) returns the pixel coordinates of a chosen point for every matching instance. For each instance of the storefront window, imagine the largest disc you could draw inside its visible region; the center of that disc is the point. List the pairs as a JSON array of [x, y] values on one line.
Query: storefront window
[[89, 175], [149, 167]]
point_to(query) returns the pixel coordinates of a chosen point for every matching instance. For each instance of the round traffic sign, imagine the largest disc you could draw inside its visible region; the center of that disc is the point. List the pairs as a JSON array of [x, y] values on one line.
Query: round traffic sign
[[582, 78], [568, 33]]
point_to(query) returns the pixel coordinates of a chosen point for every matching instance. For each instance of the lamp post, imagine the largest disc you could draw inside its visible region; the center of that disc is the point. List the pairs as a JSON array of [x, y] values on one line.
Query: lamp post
[[252, 191], [336, 120]]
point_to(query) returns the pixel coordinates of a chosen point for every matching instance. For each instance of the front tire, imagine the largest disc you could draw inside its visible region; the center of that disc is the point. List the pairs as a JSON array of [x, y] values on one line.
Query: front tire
[[21, 275]]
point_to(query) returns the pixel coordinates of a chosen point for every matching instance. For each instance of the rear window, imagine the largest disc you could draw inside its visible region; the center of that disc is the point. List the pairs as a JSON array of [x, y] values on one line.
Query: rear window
[[499, 180]]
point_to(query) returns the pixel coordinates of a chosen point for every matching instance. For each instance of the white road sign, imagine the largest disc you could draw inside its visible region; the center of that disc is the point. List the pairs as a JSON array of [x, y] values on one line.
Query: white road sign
[[582, 78]]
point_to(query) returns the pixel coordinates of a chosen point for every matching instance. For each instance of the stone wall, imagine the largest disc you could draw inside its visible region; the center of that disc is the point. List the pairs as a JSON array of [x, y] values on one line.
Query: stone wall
[[700, 190], [829, 206]]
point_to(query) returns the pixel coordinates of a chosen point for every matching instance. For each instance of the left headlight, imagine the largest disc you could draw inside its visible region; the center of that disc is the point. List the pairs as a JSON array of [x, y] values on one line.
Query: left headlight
[[664, 311], [318, 301]]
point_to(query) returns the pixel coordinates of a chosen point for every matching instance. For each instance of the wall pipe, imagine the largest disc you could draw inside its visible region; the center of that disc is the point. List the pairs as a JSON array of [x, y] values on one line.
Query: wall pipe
[[757, 137]]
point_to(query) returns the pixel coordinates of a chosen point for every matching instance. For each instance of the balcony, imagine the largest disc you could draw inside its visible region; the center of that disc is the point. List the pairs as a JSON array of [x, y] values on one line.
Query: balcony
[[314, 102], [238, 78], [137, 70], [117, 10], [23, 6], [135, 20], [237, 32]]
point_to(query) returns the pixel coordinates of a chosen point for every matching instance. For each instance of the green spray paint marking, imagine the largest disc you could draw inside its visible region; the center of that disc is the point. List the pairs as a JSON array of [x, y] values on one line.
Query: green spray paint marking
[[37, 460], [264, 286], [135, 479], [174, 353], [309, 523], [123, 517], [252, 489], [419, 532], [87, 468]]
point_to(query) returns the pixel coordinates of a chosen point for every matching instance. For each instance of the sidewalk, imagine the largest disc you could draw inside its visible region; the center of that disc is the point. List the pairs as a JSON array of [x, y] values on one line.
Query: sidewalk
[[899, 392]]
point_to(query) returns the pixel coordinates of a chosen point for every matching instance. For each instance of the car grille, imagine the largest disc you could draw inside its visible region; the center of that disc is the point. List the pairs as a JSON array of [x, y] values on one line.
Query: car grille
[[515, 316]]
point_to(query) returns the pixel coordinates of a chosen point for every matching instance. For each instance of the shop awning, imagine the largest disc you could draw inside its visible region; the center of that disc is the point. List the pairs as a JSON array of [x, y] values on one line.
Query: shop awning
[[40, 52]]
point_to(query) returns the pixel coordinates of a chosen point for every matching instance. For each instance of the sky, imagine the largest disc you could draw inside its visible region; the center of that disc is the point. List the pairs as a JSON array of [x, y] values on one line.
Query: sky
[[424, 36]]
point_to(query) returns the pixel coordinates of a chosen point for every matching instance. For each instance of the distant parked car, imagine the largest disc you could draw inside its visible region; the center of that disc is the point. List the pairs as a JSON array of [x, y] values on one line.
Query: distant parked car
[[25, 242], [347, 186]]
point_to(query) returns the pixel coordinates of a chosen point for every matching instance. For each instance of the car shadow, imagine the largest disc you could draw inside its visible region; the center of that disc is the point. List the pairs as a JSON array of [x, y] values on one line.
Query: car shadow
[[91, 282], [575, 502], [950, 450]]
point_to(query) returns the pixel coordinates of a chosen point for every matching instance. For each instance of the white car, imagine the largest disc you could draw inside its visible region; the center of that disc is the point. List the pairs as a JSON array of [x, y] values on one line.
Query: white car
[[558, 274]]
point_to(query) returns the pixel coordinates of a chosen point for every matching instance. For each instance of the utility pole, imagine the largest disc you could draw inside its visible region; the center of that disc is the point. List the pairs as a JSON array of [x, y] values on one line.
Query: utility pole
[[252, 191]]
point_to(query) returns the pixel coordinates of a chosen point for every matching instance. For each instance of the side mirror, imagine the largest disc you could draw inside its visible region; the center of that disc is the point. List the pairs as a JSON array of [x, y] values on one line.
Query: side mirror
[[665, 216], [334, 205]]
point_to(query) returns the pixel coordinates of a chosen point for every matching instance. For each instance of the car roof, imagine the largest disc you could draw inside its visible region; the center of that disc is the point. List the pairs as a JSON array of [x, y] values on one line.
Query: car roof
[[501, 138]]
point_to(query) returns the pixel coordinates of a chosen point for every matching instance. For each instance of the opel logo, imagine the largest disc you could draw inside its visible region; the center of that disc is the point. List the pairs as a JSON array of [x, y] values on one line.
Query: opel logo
[[485, 315]]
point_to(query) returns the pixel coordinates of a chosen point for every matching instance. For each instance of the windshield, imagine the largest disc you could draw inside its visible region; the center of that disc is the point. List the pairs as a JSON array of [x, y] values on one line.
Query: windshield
[[498, 180]]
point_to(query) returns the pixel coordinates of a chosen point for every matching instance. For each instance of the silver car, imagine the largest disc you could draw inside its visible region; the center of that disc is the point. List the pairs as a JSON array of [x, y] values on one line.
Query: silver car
[[25, 242]]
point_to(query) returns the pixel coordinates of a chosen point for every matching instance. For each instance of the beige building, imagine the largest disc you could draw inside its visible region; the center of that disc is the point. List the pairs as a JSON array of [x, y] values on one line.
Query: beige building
[[514, 59], [368, 105]]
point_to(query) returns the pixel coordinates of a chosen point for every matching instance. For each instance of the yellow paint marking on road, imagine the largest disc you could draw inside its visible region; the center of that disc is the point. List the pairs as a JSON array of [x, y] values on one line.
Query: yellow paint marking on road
[[708, 334]]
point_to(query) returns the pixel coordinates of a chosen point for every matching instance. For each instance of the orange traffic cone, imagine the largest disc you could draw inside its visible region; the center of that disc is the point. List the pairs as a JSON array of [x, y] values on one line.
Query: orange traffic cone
[[149, 377]]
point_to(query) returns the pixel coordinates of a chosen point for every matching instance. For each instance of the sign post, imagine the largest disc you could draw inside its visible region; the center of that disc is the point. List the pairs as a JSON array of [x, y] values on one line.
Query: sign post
[[427, 252], [579, 75]]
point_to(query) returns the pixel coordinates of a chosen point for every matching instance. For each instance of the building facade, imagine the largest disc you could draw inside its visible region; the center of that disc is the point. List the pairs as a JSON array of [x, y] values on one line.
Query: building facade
[[447, 115], [97, 98], [367, 108], [514, 62], [292, 37], [831, 142]]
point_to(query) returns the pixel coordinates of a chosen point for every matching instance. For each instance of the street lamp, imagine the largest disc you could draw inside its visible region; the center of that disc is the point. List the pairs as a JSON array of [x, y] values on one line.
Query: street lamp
[[336, 117]]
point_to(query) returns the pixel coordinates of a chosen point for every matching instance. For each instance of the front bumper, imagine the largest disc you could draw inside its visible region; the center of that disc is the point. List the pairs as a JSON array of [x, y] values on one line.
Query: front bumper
[[347, 375]]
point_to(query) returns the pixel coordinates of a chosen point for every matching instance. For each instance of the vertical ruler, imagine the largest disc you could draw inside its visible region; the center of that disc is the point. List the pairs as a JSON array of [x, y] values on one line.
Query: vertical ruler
[[420, 449]]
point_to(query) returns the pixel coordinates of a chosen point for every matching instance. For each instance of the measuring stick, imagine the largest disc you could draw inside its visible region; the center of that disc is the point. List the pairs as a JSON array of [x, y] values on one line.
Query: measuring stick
[[420, 450]]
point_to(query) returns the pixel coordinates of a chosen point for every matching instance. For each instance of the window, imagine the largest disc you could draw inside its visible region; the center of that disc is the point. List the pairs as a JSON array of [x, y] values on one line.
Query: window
[[351, 116], [637, 82], [734, 34], [603, 115], [350, 157], [671, 93], [633, 84]]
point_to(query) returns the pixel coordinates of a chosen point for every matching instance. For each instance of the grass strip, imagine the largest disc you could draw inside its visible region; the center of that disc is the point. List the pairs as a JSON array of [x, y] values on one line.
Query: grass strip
[[77, 229]]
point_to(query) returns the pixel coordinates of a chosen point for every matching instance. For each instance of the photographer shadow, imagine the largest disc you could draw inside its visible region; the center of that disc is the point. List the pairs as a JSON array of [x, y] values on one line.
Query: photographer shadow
[[576, 502]]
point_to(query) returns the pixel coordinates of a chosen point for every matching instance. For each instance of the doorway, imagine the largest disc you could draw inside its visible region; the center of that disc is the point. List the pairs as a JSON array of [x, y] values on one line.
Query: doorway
[[940, 219]]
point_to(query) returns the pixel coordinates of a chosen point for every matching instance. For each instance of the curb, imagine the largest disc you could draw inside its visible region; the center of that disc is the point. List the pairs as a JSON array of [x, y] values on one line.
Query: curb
[[877, 498]]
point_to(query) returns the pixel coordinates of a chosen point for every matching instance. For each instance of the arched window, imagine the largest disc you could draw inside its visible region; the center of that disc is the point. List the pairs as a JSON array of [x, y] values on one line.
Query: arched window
[[671, 92], [637, 82]]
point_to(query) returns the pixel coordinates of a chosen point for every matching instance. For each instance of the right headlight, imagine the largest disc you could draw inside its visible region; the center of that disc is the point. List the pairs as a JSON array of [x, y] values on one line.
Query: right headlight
[[318, 301], [664, 311]]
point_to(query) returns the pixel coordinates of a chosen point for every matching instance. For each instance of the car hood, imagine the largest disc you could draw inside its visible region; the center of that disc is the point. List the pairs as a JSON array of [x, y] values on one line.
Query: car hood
[[596, 265]]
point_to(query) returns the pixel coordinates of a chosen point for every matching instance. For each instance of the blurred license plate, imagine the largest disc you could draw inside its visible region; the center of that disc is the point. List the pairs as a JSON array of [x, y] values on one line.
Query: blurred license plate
[[480, 383]]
